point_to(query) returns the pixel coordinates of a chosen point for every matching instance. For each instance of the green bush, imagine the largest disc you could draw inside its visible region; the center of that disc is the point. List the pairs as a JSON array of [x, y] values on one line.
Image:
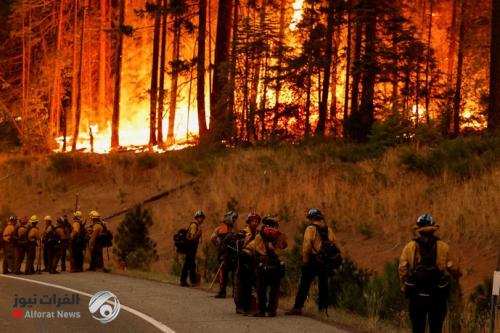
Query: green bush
[[147, 160], [132, 242], [176, 265], [64, 163], [481, 298], [464, 157], [366, 230], [138, 259], [347, 287]]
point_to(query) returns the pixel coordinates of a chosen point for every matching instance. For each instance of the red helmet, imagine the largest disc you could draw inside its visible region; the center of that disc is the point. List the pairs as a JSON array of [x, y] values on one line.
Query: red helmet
[[253, 215]]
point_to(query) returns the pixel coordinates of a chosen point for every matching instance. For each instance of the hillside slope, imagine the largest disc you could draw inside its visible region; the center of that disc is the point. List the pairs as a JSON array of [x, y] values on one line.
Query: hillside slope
[[372, 204]]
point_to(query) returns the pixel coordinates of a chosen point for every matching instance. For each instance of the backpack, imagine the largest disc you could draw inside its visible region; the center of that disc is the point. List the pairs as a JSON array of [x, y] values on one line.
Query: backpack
[[81, 237], [232, 245], [21, 240], [105, 237], [181, 242], [426, 279], [50, 240], [328, 257]]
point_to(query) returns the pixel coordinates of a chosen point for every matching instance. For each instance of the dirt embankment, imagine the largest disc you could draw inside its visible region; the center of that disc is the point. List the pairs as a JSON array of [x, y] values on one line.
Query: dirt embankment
[[372, 204]]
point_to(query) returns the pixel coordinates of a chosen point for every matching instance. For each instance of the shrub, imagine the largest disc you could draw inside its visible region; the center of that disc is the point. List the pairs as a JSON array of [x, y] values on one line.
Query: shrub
[[347, 287], [464, 157], [366, 230], [138, 259], [481, 298], [147, 161], [64, 163], [132, 242]]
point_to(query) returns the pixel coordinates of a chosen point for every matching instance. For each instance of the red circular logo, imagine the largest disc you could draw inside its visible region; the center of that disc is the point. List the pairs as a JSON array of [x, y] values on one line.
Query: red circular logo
[[17, 313]]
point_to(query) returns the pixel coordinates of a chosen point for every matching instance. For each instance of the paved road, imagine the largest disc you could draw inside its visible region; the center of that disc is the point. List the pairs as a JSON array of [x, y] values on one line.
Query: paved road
[[171, 307]]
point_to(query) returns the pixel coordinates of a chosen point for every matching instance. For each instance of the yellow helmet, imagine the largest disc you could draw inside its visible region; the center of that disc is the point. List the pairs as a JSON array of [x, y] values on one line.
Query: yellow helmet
[[47, 218], [94, 214], [34, 219], [78, 214]]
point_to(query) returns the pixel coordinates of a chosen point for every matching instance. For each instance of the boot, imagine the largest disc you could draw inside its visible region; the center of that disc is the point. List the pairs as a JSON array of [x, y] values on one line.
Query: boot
[[220, 295], [294, 312]]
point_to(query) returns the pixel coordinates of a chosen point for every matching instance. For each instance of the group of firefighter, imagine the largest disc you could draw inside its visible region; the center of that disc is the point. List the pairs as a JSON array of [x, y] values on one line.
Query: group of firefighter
[[252, 258], [24, 241]]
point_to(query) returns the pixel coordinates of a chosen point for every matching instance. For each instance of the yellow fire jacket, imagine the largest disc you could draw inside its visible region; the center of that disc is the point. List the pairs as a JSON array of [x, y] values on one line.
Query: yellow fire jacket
[[96, 231], [407, 260], [258, 245], [7, 232], [312, 239], [34, 235], [194, 232], [75, 229]]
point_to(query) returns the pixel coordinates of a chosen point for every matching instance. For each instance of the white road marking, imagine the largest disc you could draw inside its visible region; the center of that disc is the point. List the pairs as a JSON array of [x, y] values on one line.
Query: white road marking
[[159, 325]]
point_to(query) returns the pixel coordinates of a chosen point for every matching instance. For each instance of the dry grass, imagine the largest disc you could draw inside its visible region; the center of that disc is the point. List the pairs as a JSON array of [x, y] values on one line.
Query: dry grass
[[378, 195]]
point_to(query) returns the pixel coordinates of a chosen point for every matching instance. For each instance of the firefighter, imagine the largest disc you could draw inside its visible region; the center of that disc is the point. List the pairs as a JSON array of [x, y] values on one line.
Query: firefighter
[[311, 268], [193, 237], [95, 246], [226, 265], [48, 239], [77, 242], [59, 237], [266, 247], [9, 249], [245, 272], [33, 243], [21, 236], [66, 226], [425, 267]]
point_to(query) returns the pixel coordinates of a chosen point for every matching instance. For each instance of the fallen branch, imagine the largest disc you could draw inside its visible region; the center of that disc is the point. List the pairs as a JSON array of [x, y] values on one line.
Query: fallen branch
[[154, 198]]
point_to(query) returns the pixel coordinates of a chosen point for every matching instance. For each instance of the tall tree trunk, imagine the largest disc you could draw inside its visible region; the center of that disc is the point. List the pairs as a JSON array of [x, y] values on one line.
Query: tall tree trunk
[[451, 64], [115, 120], [333, 86], [395, 73], [356, 76], [246, 90], [232, 75], [417, 97], [254, 91], [218, 102], [76, 128], [263, 100], [55, 103], [458, 88], [366, 111], [200, 82], [103, 45], [323, 106], [163, 56], [279, 64], [348, 67], [453, 43], [174, 80], [427, 66], [154, 75], [307, 107], [74, 72], [494, 107]]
